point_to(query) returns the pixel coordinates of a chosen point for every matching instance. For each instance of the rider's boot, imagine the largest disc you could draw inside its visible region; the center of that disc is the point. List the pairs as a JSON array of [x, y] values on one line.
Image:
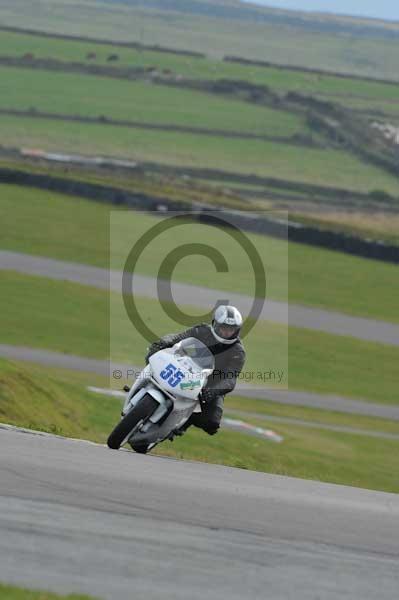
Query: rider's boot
[[180, 430]]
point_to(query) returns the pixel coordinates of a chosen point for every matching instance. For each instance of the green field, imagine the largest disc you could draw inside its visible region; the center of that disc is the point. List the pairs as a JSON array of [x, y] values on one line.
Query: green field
[[19, 44], [11, 592], [337, 88], [31, 316], [77, 230], [373, 55], [252, 157], [78, 94], [145, 102], [376, 110], [60, 404], [16, 44], [87, 96]]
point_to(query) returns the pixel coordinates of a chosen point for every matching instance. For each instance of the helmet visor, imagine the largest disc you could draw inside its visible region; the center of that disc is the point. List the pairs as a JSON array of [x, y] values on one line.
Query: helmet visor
[[227, 332]]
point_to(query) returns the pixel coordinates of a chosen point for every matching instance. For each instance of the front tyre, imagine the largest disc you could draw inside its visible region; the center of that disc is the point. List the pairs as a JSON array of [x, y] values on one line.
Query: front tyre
[[140, 448], [144, 409]]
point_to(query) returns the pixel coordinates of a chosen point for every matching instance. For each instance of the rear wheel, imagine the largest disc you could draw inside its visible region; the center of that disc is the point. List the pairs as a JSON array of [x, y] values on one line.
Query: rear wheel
[[144, 409]]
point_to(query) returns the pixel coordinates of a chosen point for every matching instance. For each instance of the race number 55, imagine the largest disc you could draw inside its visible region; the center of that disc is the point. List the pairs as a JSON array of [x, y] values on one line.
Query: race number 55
[[172, 375]]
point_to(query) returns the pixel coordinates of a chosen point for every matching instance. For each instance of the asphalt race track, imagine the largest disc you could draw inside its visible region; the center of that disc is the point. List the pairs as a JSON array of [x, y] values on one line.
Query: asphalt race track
[[201, 297], [76, 516]]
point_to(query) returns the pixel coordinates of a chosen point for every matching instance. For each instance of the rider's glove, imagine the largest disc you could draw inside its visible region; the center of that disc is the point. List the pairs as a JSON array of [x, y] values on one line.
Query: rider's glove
[[208, 396], [155, 347]]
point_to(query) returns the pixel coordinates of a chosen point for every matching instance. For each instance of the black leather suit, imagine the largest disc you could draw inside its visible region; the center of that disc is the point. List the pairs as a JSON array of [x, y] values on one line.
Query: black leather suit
[[229, 361]]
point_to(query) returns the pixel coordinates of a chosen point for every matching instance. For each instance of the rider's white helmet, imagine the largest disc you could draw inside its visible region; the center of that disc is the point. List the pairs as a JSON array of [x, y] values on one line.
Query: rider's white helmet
[[226, 324]]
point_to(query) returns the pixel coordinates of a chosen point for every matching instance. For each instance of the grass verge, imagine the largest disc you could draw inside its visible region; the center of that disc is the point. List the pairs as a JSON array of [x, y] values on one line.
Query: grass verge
[[59, 403], [331, 457], [11, 592]]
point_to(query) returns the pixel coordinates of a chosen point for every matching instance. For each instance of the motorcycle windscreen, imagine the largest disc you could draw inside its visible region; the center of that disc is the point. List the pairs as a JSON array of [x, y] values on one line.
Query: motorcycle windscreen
[[198, 352]]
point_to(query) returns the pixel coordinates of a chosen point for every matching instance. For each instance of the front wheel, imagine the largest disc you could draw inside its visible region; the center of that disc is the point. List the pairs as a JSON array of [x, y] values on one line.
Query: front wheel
[[144, 409], [140, 448]]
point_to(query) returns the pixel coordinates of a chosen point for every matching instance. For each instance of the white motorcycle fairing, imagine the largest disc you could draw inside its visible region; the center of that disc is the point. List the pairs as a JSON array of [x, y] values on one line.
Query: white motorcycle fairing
[[174, 379]]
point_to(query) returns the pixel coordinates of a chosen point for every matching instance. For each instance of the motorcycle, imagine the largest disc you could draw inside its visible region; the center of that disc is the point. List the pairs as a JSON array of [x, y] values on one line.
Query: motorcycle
[[164, 396]]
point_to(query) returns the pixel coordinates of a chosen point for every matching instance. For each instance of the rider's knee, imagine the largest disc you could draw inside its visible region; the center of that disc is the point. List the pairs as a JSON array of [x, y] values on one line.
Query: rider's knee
[[211, 427]]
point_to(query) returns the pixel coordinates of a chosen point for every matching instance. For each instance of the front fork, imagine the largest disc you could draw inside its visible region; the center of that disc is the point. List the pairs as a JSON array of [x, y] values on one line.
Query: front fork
[[140, 388], [140, 381]]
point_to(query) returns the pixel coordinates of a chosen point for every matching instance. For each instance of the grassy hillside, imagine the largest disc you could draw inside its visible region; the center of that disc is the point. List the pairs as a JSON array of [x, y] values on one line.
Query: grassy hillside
[[282, 79], [278, 36], [76, 94], [329, 167], [308, 155], [361, 95], [58, 403]]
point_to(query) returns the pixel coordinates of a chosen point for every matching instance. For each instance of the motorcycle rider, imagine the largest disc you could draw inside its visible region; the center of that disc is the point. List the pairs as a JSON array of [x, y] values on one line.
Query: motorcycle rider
[[222, 339]]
